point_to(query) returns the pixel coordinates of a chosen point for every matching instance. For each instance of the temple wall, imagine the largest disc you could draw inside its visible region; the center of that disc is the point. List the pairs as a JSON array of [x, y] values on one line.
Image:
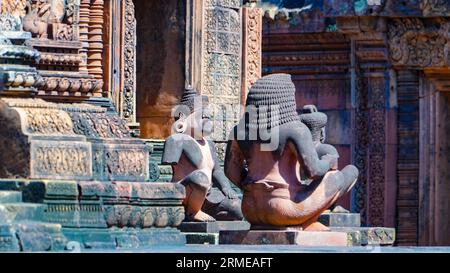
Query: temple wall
[[160, 67]]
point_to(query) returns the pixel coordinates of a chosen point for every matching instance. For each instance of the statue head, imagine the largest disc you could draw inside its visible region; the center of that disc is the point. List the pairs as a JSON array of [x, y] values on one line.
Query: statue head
[[193, 115], [315, 121], [271, 102]]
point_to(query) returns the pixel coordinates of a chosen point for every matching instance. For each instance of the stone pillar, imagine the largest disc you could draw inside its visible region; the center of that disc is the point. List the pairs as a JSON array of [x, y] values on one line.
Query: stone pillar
[[222, 63], [374, 120], [84, 31], [95, 37]]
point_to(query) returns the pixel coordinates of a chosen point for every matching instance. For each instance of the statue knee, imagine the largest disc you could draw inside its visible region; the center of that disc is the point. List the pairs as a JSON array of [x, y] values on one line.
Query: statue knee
[[197, 179], [323, 149]]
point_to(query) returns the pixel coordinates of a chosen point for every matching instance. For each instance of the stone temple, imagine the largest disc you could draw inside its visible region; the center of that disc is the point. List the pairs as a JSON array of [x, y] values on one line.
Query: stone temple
[[88, 88]]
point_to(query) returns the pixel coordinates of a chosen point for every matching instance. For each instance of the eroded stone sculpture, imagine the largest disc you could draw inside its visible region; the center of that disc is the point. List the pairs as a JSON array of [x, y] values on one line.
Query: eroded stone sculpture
[[209, 196], [274, 182]]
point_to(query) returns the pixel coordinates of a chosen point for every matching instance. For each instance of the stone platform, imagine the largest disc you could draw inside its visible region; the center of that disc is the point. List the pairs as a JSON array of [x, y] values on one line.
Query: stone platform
[[283, 237]]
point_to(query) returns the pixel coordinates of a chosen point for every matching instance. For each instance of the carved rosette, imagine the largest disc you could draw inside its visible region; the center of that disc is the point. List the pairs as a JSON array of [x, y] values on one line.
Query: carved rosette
[[416, 43], [221, 61], [252, 62]]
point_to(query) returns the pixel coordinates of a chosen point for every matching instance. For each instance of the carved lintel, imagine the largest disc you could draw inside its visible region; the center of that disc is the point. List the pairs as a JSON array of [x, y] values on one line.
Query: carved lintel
[[435, 7], [419, 43]]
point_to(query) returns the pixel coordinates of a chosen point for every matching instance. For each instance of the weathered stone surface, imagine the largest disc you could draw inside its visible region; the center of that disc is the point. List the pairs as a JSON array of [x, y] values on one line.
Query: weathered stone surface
[[369, 235], [284, 237], [198, 238], [213, 227], [340, 219], [10, 197], [31, 236], [22, 211], [127, 238], [103, 204]]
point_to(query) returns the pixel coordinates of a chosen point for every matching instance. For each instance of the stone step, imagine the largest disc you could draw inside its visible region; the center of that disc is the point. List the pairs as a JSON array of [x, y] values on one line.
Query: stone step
[[10, 197], [29, 236], [22, 212]]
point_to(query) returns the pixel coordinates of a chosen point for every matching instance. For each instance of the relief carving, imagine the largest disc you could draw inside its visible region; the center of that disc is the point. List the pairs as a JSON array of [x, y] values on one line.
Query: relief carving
[[13, 7], [46, 17], [48, 121], [414, 42], [51, 161], [99, 125]]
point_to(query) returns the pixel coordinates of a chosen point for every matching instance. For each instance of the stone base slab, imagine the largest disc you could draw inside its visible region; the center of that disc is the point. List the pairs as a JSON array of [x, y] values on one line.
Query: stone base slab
[[283, 237], [340, 219], [213, 227], [31, 237], [126, 238], [371, 236], [198, 238]]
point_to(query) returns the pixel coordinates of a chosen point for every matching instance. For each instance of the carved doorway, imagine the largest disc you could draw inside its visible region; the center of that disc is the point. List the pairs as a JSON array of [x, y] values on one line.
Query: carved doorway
[[434, 182]]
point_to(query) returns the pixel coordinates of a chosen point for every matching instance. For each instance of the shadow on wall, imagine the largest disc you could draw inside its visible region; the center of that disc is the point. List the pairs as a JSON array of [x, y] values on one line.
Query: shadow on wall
[[160, 64]]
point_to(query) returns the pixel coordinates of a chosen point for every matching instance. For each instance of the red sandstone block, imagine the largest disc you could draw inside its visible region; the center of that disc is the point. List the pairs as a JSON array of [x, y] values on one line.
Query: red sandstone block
[[283, 237]]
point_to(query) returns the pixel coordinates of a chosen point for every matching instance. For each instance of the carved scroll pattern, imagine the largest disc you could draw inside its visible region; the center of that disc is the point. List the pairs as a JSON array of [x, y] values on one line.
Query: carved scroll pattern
[[414, 43], [129, 92]]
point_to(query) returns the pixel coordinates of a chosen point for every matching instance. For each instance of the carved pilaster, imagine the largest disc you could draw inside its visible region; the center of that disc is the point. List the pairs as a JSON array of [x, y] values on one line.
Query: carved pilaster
[[374, 118], [128, 108], [251, 56], [221, 62], [96, 40], [84, 31]]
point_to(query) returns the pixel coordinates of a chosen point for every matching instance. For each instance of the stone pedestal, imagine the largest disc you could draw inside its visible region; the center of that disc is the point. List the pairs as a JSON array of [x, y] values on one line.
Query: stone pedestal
[[340, 219], [208, 232], [283, 237]]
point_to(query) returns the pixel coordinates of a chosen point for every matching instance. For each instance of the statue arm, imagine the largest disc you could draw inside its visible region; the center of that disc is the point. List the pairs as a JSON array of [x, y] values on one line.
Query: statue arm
[[173, 149], [306, 150], [234, 163]]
